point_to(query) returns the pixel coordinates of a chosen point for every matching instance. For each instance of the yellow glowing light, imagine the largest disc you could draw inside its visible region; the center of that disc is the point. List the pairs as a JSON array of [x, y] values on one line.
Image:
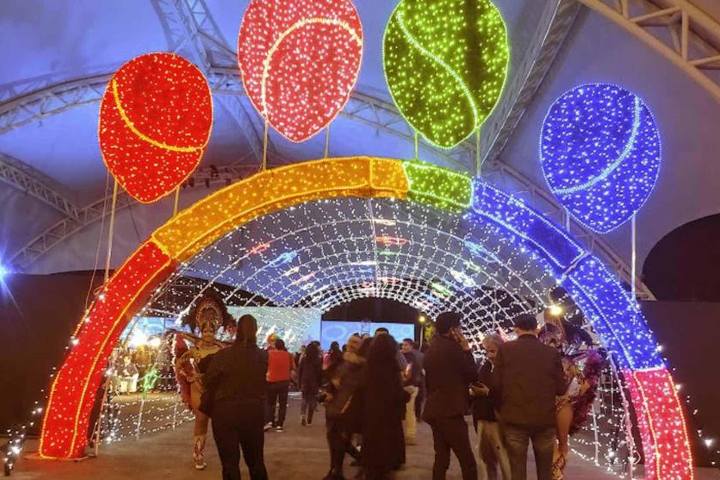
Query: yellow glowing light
[[200, 225]]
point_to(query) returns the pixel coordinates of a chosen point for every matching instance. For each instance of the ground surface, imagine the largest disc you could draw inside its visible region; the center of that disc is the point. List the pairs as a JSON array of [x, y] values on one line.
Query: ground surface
[[298, 453]]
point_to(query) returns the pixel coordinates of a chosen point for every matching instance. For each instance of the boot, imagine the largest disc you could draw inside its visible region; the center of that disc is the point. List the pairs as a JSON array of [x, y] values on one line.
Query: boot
[[302, 421]]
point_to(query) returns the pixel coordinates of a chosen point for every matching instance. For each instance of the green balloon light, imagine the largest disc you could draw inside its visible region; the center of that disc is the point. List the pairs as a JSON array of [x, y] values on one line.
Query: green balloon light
[[445, 64]]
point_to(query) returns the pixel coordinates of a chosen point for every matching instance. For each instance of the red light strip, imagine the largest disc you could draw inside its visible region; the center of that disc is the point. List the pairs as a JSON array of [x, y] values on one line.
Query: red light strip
[[67, 415], [661, 423]]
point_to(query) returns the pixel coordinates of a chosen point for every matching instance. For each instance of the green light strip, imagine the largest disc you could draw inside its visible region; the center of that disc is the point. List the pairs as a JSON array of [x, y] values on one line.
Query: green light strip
[[438, 187]]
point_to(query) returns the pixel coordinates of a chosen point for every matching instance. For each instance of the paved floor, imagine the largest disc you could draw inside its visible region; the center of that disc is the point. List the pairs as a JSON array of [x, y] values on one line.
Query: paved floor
[[298, 453]]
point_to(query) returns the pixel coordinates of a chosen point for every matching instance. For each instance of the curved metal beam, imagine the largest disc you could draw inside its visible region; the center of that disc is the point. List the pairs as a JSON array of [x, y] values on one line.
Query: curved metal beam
[[553, 27], [35, 184], [207, 177], [694, 41], [383, 116]]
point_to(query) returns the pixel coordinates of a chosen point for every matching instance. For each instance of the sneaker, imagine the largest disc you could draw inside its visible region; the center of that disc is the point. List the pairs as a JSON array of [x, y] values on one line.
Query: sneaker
[[268, 426], [303, 422], [279, 429]]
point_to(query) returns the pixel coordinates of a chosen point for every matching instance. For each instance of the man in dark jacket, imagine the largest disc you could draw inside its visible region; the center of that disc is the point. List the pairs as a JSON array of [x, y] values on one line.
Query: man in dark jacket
[[449, 370], [234, 399], [529, 376]]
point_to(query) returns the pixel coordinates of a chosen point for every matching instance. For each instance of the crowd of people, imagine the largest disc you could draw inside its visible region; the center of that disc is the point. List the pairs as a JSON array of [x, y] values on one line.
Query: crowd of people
[[374, 391]]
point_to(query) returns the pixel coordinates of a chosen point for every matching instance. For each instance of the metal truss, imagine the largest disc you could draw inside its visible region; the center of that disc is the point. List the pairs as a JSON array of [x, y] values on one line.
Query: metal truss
[[676, 29], [35, 184], [191, 31], [384, 117], [553, 27], [189, 26], [210, 177]]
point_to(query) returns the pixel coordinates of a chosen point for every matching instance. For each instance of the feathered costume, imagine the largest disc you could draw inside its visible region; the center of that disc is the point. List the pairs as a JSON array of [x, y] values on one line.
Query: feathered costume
[[206, 316]]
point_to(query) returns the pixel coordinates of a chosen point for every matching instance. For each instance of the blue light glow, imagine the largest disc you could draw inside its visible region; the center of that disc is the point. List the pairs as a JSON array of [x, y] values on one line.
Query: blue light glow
[[4, 272], [600, 153], [607, 306]]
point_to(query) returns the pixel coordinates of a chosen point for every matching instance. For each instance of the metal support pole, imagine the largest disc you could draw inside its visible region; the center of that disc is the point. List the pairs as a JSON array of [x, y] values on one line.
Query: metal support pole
[[111, 231]]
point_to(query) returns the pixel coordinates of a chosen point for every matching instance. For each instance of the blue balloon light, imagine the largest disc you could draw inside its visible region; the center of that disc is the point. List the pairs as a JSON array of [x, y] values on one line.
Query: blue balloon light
[[600, 153]]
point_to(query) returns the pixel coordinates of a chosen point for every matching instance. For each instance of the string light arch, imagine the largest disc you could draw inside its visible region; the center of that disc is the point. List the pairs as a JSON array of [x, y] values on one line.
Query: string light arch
[[175, 246]]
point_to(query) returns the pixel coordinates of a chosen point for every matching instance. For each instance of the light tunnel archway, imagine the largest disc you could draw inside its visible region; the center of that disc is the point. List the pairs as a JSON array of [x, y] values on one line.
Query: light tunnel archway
[[615, 317]]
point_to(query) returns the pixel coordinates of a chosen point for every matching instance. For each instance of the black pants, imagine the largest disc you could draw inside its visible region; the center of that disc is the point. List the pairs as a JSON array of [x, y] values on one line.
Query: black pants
[[277, 393], [338, 438], [451, 434], [543, 443], [236, 425], [308, 404]]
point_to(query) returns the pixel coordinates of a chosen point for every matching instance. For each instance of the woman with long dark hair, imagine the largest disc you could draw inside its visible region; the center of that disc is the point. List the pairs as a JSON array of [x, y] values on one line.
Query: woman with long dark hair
[[309, 379], [384, 402], [234, 399], [333, 357]]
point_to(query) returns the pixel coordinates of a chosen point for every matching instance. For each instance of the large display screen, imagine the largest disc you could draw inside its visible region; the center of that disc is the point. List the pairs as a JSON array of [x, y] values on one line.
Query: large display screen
[[296, 326], [339, 331]]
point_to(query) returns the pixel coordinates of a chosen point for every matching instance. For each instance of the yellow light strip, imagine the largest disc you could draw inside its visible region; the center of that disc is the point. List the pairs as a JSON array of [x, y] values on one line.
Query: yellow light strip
[[198, 226]]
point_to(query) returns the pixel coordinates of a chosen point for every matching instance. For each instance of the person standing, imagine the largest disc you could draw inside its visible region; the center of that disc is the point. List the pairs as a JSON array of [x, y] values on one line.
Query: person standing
[[484, 405], [412, 379], [234, 399], [449, 370], [383, 400], [529, 377], [343, 380], [333, 356], [309, 379], [280, 367]]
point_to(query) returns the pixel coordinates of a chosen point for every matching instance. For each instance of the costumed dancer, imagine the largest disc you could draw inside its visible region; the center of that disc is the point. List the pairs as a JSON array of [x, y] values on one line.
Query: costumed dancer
[[583, 366], [206, 316]]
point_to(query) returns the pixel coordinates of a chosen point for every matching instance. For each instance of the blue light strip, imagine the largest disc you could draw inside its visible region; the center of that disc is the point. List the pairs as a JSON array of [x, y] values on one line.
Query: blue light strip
[[607, 306]]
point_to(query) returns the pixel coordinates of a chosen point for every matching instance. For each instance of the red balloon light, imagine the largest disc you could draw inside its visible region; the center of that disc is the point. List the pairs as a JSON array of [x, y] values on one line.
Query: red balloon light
[[299, 61], [155, 123]]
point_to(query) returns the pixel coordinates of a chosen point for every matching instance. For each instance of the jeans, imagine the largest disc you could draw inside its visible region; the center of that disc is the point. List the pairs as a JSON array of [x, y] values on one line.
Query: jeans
[[277, 393], [492, 451], [308, 405], [410, 423], [239, 425], [451, 434], [517, 440]]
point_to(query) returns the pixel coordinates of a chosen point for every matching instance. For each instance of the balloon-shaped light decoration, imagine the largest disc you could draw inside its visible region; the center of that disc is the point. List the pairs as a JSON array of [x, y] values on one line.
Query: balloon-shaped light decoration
[[445, 64], [155, 123], [600, 153], [299, 61]]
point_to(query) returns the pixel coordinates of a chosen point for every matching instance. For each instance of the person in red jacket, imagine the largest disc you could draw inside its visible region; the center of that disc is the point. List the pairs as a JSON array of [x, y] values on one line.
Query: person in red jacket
[[280, 367]]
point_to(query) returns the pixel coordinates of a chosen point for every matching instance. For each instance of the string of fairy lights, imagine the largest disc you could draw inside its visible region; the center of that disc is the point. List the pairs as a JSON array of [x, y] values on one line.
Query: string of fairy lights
[[345, 252]]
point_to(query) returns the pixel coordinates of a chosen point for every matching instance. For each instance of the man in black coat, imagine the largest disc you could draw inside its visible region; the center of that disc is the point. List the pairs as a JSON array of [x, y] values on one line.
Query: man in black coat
[[234, 398], [529, 376], [449, 370]]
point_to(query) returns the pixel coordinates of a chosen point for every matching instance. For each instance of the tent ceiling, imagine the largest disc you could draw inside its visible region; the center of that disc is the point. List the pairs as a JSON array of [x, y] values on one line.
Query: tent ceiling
[[67, 40]]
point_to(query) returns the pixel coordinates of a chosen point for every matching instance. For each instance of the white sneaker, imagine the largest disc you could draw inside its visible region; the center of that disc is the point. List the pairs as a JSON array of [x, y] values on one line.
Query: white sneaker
[[268, 426]]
